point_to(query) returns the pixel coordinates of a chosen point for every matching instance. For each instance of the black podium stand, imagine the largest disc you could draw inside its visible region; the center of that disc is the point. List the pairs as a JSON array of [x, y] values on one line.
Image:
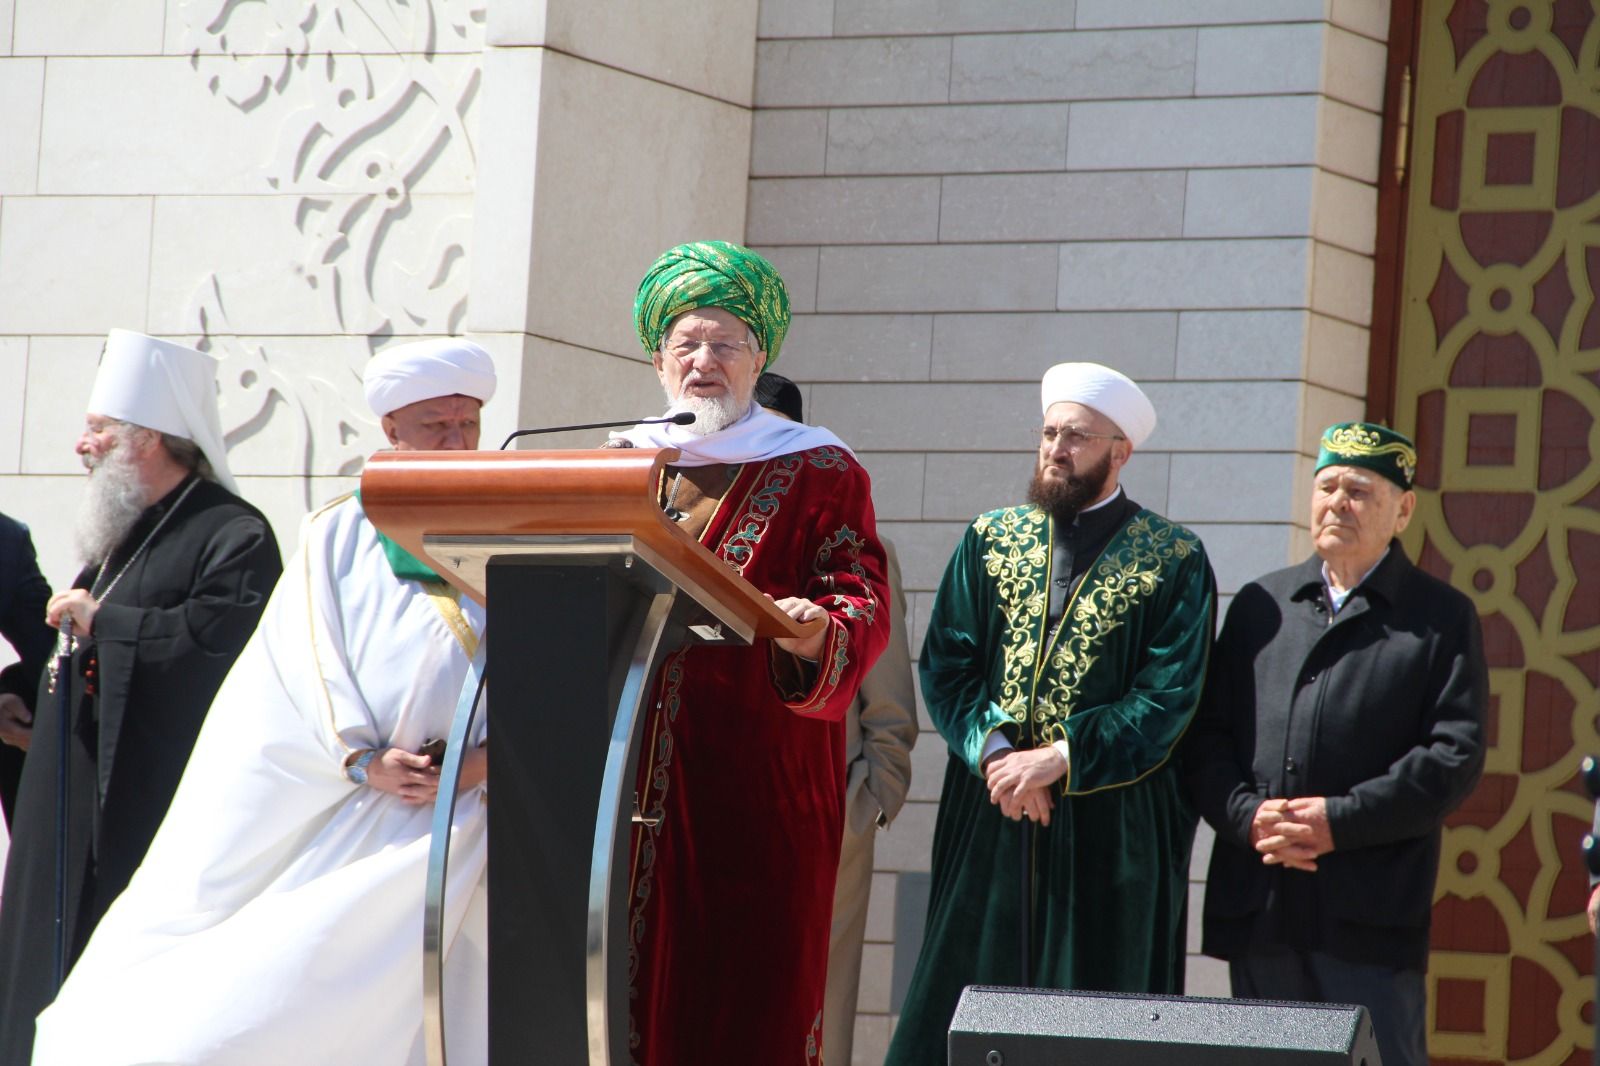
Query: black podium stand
[[588, 588]]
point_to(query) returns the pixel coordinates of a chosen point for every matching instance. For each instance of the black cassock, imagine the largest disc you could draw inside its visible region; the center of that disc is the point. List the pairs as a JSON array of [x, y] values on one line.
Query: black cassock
[[164, 638]]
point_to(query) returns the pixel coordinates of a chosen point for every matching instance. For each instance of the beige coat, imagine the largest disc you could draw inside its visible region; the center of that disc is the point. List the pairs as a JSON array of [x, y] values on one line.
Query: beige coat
[[879, 732]]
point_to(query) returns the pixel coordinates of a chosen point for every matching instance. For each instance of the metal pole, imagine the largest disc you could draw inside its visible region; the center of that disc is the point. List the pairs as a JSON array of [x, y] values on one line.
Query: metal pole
[[444, 812], [605, 940], [63, 770], [1026, 924]]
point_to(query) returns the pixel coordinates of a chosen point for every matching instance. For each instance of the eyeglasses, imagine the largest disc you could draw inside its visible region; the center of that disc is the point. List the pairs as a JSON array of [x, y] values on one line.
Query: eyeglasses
[[721, 351], [1073, 437]]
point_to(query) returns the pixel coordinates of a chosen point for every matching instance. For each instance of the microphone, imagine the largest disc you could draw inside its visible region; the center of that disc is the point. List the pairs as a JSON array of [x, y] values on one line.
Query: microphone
[[682, 418]]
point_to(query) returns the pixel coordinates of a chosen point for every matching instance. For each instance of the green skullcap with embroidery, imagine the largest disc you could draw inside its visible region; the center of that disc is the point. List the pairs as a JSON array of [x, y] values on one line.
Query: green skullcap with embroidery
[[713, 274], [1371, 446]]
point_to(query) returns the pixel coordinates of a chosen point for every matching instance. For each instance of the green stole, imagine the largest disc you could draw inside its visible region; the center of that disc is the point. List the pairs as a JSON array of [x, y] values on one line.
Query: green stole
[[406, 567], [445, 598]]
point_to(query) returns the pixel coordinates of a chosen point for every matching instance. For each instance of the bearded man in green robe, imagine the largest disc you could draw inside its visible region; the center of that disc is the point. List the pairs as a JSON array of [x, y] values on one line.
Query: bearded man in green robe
[[1063, 663]]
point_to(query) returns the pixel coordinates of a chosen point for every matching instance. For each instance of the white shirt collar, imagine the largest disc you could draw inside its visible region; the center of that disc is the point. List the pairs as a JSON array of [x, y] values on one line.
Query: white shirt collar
[[1336, 597]]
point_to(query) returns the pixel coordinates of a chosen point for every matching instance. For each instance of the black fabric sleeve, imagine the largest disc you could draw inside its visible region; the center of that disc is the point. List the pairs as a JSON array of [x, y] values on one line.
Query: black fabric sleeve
[[22, 604], [238, 566], [1432, 778]]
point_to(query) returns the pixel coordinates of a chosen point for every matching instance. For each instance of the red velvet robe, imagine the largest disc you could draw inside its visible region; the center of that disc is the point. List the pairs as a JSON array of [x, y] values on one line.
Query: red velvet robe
[[732, 892]]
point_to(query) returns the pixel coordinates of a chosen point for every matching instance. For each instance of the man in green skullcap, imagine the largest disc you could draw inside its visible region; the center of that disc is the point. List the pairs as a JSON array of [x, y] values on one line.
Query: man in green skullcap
[[742, 781], [1342, 721]]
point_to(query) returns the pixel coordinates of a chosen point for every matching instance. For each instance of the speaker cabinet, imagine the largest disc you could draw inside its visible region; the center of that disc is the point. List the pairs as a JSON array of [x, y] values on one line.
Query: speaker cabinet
[[1043, 1027]]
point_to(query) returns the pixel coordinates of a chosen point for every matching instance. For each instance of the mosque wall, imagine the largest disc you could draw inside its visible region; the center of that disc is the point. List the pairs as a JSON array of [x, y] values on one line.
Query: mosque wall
[[962, 193], [296, 185], [611, 132], [959, 192], [292, 182]]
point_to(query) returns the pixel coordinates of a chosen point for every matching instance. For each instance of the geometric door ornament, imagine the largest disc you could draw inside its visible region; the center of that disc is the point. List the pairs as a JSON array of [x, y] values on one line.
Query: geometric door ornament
[[1497, 375]]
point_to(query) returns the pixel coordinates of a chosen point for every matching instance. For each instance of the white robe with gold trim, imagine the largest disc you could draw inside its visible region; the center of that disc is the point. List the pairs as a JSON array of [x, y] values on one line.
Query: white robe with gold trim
[[278, 915]]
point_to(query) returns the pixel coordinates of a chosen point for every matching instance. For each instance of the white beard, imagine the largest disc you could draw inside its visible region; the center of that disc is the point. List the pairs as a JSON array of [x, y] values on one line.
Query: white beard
[[112, 502], [711, 413]]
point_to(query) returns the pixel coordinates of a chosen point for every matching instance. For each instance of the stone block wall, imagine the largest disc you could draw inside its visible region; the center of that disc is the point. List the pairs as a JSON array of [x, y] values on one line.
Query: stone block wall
[[963, 193], [293, 182], [619, 130], [302, 184]]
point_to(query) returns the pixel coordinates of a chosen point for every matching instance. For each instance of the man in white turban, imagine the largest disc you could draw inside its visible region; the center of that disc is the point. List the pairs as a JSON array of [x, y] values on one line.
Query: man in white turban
[[177, 570], [278, 916], [1063, 662]]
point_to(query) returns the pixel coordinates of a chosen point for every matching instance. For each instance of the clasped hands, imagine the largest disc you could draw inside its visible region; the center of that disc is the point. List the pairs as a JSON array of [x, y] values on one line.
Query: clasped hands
[[1020, 781], [1292, 832], [414, 778]]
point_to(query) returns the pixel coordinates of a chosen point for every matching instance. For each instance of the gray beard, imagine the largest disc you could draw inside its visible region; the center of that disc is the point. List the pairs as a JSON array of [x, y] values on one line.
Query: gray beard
[[712, 414], [112, 502]]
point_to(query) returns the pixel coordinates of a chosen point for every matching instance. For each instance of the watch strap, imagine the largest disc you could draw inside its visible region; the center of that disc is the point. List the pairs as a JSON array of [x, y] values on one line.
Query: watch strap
[[356, 769]]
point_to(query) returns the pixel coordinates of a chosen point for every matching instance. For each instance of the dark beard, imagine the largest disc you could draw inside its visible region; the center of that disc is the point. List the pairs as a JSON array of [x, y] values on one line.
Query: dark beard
[[1065, 498]]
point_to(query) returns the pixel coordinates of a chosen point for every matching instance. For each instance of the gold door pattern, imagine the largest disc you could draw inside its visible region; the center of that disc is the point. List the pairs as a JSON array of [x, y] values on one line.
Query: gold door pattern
[[1498, 376]]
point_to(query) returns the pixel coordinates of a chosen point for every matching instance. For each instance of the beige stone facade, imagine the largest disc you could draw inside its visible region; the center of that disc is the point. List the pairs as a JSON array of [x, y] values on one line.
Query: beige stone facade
[[959, 192], [1184, 191]]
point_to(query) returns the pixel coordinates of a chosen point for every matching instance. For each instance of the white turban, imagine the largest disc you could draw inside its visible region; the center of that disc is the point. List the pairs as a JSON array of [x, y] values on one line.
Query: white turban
[[1102, 389], [426, 370], [165, 387]]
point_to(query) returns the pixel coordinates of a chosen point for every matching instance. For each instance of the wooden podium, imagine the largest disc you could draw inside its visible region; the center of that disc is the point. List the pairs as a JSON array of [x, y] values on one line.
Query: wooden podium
[[588, 587]]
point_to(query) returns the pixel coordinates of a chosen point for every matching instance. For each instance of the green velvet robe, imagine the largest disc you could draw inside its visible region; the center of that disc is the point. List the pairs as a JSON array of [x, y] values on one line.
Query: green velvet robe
[[1121, 681]]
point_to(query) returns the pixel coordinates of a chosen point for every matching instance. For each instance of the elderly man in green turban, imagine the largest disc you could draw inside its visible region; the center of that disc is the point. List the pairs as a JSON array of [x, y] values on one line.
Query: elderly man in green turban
[[742, 786], [1342, 721]]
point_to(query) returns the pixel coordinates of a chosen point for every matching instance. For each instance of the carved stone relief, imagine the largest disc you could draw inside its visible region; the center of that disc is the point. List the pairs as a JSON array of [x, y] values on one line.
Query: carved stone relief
[[381, 92]]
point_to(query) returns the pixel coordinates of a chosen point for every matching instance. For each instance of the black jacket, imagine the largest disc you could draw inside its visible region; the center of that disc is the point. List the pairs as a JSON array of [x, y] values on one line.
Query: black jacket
[[23, 595], [1381, 710]]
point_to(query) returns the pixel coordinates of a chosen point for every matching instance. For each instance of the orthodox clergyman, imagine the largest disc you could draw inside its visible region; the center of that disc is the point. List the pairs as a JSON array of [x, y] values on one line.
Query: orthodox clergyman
[[177, 571]]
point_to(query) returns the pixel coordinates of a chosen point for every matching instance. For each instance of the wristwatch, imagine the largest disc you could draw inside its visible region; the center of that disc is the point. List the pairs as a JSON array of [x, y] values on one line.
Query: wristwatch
[[356, 770]]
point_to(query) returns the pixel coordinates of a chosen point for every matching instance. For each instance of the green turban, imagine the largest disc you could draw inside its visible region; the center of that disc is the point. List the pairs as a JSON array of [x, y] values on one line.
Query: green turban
[[1371, 446], [713, 274]]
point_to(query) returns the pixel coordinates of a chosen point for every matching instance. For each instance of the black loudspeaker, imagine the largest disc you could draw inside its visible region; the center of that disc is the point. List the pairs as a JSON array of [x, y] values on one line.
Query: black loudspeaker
[[1043, 1027]]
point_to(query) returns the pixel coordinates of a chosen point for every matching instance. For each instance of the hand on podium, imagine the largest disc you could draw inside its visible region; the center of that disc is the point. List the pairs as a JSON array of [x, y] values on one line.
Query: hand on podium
[[802, 610]]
